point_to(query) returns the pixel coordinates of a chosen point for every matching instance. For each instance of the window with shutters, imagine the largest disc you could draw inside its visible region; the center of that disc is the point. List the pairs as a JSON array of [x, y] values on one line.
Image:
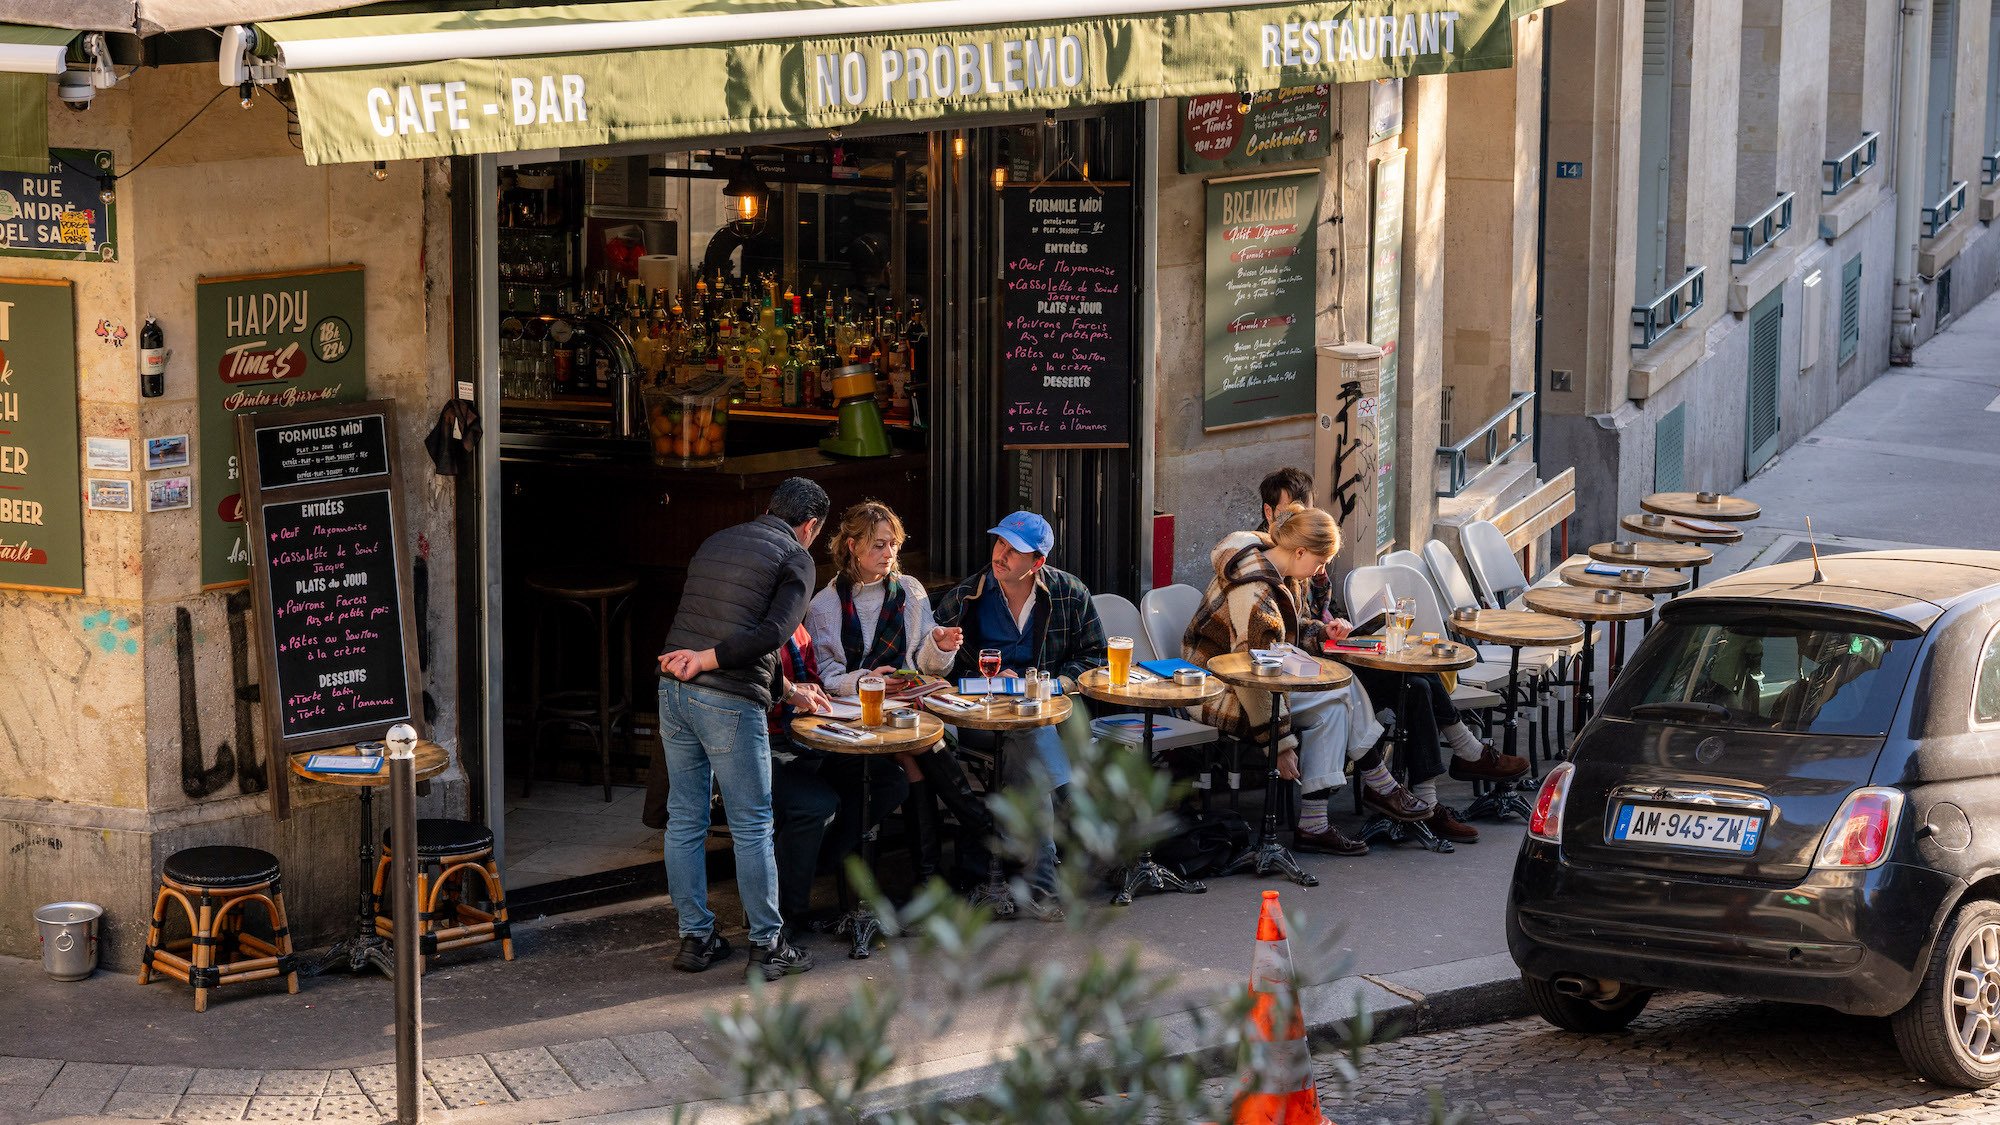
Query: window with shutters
[[1850, 308], [1760, 416], [1656, 152], [1670, 450], [1944, 74]]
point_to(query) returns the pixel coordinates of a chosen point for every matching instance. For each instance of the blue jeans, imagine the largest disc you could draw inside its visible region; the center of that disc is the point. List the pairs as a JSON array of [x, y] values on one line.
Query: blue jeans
[[714, 739]]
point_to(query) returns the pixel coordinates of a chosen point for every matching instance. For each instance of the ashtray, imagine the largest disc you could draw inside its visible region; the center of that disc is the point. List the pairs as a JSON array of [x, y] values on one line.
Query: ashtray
[[370, 747], [1632, 574], [1608, 597], [1027, 707], [1464, 613], [1652, 519], [903, 719], [1441, 649], [1707, 498], [1624, 547], [1190, 677], [1267, 667]]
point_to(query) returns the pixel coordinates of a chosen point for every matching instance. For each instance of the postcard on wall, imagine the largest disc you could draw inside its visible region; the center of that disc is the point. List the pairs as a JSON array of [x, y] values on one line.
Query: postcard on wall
[[170, 452], [109, 495], [168, 493], [109, 454]]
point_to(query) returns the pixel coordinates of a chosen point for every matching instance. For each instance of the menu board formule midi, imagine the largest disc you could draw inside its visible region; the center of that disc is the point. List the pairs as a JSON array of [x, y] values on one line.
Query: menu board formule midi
[[1066, 316], [330, 575]]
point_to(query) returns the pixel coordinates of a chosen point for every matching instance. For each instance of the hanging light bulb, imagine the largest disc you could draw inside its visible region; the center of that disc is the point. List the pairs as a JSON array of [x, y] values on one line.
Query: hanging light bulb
[[746, 208], [1243, 101], [246, 93], [748, 192], [958, 146], [107, 187], [381, 170], [1049, 118], [999, 178]]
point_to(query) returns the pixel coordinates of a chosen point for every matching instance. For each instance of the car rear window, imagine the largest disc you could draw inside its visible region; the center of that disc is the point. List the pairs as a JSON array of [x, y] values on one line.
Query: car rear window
[[1783, 675]]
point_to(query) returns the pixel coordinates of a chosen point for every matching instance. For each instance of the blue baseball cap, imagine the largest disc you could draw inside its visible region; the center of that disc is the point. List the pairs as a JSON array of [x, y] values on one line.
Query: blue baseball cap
[[1026, 531]]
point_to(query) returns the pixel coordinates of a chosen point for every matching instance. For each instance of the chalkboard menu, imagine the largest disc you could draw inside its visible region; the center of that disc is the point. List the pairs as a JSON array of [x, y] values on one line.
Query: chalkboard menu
[[1066, 316], [1258, 363], [1223, 131], [41, 486], [330, 575]]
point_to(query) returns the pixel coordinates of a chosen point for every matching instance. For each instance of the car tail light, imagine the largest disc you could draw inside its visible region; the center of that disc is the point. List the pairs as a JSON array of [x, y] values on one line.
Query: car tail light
[[1547, 822], [1862, 830]]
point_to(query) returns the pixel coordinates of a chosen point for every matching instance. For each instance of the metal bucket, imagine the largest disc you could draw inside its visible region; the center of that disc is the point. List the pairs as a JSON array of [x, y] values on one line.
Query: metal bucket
[[69, 938]]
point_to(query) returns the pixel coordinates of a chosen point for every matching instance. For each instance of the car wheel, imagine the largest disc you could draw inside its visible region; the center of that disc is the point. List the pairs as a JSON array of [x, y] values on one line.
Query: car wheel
[[1574, 1013], [1949, 1032]]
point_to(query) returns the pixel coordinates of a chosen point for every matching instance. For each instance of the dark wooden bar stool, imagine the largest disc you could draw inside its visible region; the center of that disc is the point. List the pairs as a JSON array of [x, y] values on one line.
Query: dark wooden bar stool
[[601, 601], [449, 851], [212, 884]]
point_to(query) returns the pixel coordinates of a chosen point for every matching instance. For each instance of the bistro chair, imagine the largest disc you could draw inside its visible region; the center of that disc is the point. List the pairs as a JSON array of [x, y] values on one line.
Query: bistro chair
[[212, 884], [1167, 611], [1120, 618], [449, 852], [1494, 567]]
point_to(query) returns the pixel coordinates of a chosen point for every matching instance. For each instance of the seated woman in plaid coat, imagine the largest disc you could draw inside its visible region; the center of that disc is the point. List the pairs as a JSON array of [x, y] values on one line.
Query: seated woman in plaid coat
[[1250, 603]]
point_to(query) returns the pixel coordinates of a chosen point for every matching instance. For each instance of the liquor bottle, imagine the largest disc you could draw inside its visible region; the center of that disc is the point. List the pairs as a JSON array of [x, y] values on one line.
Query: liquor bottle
[[791, 382]]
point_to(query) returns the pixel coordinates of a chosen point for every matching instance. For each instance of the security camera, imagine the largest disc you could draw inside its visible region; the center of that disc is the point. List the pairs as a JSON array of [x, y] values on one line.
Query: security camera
[[75, 89]]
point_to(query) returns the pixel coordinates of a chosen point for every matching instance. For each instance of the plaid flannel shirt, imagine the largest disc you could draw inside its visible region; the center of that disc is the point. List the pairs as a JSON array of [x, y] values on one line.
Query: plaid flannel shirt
[[1072, 638]]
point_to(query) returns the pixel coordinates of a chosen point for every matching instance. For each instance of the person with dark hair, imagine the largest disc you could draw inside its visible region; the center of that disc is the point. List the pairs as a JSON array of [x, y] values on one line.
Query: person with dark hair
[[1434, 723], [745, 595], [1038, 617]]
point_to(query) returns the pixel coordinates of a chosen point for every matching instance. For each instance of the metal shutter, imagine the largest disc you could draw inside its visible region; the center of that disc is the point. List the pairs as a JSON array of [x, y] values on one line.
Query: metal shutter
[[1760, 423], [1670, 450], [1850, 308], [1656, 89], [1943, 76]]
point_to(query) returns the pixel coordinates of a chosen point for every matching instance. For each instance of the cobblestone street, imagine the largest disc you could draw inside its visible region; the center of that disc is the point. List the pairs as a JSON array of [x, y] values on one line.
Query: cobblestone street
[[1688, 1059]]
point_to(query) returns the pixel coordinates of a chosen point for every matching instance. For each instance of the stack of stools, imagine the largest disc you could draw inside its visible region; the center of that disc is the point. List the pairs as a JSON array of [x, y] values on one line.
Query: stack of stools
[[212, 884], [447, 852], [600, 600]]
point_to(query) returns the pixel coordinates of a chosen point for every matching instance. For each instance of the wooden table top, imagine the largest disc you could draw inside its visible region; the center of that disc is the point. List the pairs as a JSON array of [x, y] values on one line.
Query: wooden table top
[[1655, 552], [892, 740], [1654, 581], [1673, 531], [1416, 657], [1729, 509], [1158, 694], [1582, 605], [1234, 668], [1517, 628], [1000, 714], [431, 761]]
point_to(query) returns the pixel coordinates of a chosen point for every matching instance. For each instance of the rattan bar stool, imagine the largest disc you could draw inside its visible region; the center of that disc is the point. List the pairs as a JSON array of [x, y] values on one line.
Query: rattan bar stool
[[448, 851], [212, 884]]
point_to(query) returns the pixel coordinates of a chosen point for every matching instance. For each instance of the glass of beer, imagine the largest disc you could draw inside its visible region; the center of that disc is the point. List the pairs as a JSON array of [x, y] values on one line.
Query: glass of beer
[[872, 689], [1118, 653]]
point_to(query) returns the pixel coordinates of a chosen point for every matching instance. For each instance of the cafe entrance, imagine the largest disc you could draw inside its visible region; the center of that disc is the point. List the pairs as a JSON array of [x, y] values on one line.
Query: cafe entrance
[[667, 333]]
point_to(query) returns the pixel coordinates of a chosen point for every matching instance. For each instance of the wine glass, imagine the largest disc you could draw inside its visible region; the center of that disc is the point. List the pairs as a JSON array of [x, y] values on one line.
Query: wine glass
[[989, 667]]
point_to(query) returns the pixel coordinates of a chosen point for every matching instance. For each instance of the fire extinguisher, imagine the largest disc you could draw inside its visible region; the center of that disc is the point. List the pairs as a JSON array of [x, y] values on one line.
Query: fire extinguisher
[[153, 355]]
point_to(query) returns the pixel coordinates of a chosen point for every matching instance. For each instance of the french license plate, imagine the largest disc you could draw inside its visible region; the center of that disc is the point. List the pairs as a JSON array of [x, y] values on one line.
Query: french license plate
[[1689, 828]]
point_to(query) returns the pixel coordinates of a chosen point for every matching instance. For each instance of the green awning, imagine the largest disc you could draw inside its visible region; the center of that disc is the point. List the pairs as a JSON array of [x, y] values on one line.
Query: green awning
[[29, 57], [444, 83], [1519, 8]]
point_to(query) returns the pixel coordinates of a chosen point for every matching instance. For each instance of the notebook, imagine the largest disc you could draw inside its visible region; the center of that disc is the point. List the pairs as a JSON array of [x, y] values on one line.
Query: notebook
[[1609, 570], [1296, 661], [1165, 669], [846, 734], [999, 685], [1709, 526], [344, 763]]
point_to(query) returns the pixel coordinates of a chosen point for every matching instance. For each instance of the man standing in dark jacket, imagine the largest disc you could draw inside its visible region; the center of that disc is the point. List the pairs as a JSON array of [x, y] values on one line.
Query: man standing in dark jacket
[[747, 591]]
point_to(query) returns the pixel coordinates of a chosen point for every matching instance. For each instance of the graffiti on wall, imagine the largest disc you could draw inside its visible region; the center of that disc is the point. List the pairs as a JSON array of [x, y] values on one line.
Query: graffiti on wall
[[200, 778]]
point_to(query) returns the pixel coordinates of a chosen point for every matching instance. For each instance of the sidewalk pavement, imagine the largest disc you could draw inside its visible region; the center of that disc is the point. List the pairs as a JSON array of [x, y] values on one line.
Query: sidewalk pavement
[[590, 1019]]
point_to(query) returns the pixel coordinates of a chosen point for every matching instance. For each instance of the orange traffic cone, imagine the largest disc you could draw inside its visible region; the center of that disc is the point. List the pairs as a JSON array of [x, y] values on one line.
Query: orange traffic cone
[[1279, 1090]]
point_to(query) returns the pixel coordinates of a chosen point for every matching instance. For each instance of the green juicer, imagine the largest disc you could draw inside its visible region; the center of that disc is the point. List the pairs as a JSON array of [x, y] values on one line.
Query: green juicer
[[858, 429]]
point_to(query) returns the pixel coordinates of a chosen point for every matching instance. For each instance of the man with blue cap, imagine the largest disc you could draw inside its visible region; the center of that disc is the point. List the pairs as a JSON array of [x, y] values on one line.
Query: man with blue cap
[[1038, 617]]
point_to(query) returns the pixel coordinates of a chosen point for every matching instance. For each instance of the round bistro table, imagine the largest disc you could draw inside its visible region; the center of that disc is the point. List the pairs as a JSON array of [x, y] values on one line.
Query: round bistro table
[[1517, 629], [1415, 660], [998, 716], [1149, 698], [859, 922], [1233, 668], [366, 947], [1728, 509], [1579, 604], [1654, 552], [1670, 529], [1654, 582]]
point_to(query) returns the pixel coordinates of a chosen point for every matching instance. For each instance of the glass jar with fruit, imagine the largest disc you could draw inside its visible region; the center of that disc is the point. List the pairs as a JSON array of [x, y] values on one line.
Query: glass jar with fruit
[[688, 425]]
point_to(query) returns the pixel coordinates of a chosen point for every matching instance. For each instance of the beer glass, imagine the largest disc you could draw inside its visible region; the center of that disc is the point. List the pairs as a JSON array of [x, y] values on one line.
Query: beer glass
[[1118, 653], [872, 688]]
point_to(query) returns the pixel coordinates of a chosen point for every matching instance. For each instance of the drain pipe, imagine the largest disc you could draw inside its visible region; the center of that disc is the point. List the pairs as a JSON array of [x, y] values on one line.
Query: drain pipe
[[1912, 87]]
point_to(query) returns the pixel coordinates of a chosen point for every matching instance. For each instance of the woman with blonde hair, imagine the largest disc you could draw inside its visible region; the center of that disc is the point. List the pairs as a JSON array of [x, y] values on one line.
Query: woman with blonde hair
[[1252, 602], [874, 619]]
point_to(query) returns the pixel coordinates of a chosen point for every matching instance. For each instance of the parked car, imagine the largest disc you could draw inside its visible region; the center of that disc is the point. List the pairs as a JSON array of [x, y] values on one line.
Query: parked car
[[1791, 793]]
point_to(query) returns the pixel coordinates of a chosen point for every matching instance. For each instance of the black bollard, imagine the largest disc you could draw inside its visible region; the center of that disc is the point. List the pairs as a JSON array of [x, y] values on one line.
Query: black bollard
[[409, 947]]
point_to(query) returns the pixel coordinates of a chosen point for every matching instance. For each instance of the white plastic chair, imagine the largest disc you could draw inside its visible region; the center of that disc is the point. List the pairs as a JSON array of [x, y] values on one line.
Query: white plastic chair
[[1121, 619], [1166, 612], [1451, 582], [1493, 564], [1410, 559]]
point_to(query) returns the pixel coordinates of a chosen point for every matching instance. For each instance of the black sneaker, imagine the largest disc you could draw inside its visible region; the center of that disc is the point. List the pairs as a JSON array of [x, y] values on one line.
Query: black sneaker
[[778, 960], [699, 951]]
